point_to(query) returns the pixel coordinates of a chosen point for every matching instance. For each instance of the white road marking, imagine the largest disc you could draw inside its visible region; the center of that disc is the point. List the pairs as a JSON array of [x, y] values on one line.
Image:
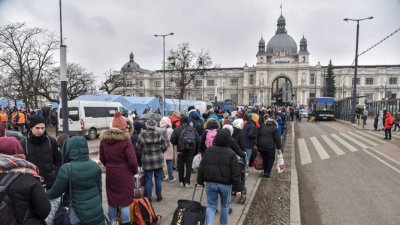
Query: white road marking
[[371, 137], [333, 146], [364, 139], [345, 135], [382, 161], [320, 150], [305, 157], [344, 143], [383, 155]]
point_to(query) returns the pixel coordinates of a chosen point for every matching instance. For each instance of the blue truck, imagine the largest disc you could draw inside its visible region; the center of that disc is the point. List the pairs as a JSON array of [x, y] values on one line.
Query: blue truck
[[324, 108]]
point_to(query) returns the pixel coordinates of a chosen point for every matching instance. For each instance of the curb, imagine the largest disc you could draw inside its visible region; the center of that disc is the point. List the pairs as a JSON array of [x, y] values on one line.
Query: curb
[[295, 218], [249, 203]]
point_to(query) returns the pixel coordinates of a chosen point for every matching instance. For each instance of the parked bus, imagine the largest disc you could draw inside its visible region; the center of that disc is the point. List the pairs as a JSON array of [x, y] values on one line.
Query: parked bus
[[324, 108], [89, 118]]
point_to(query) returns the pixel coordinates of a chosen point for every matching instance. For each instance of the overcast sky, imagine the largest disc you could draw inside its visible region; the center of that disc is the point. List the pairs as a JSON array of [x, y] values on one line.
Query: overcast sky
[[100, 34]]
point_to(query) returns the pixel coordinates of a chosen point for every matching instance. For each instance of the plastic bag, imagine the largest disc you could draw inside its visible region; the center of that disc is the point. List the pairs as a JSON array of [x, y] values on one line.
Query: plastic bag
[[258, 162], [280, 163], [196, 161]]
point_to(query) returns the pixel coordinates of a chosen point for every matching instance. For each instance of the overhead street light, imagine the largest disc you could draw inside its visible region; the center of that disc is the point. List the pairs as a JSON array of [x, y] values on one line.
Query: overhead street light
[[163, 36], [353, 101]]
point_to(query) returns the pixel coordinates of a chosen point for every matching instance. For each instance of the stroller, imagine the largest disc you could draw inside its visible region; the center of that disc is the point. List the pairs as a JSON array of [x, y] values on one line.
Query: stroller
[[242, 165]]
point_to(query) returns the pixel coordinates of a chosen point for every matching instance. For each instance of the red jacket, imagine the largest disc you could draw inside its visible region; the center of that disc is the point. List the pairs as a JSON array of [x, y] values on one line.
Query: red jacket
[[175, 121], [388, 121]]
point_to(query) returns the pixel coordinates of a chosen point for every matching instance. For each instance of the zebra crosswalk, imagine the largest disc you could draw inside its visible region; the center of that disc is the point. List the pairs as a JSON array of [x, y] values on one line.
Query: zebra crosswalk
[[332, 145]]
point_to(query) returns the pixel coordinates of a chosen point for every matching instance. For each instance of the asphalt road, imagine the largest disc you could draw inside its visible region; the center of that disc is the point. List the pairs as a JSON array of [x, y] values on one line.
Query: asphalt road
[[346, 175]]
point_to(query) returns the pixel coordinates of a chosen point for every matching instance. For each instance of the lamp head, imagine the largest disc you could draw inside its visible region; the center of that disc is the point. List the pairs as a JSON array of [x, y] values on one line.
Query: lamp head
[[371, 17], [346, 19], [171, 33]]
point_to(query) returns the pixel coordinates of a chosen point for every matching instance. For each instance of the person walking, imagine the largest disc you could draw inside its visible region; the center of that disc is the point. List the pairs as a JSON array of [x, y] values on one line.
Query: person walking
[[269, 140], [219, 172], [119, 159], [153, 146], [86, 184], [28, 197], [165, 123], [380, 120], [250, 136], [397, 121], [388, 124], [365, 116], [42, 150], [187, 140]]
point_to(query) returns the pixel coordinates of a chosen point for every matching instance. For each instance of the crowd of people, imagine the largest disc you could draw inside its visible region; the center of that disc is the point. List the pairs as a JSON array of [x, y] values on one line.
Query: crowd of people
[[385, 121], [155, 148]]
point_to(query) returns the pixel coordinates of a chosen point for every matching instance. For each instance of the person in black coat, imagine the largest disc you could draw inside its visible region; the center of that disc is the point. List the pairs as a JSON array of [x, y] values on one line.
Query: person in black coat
[[219, 170], [269, 139], [135, 136], [31, 205], [250, 138]]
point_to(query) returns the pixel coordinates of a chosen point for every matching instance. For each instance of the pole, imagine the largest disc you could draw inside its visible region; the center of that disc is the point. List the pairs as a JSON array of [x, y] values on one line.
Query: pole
[[163, 109], [63, 76], [354, 95]]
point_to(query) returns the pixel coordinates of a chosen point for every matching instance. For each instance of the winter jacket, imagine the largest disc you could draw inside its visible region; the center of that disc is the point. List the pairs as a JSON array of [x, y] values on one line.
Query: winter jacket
[[118, 156], [135, 136], [175, 121], [250, 134], [194, 115], [153, 145], [210, 124], [380, 121], [238, 137], [166, 122], [268, 138], [26, 192], [388, 121], [177, 134], [85, 179], [220, 163], [43, 152]]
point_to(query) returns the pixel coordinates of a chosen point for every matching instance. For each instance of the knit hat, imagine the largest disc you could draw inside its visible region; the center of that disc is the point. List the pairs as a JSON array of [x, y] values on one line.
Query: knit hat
[[184, 119], [238, 123], [119, 121], [35, 120], [2, 130], [228, 127], [10, 146], [151, 124]]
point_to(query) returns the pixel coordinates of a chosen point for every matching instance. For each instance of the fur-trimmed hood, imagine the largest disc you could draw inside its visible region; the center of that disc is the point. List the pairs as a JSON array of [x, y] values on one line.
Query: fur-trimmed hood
[[114, 135]]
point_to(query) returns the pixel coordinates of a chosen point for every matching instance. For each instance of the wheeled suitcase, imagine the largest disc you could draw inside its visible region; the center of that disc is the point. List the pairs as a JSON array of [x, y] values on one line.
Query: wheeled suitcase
[[139, 179], [190, 212]]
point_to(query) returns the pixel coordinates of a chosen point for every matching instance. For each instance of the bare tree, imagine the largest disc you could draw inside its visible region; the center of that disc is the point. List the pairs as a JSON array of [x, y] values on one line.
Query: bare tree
[[79, 81], [114, 80], [184, 66], [26, 55]]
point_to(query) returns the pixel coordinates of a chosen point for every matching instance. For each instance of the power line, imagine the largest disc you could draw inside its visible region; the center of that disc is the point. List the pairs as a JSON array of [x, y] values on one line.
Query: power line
[[373, 46]]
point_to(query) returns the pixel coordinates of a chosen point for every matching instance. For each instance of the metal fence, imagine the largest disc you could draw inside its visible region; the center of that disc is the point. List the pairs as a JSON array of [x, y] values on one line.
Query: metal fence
[[343, 107]]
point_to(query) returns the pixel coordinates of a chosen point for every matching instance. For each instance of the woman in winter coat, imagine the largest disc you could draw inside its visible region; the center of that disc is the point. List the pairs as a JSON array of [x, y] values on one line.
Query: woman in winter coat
[[269, 140], [28, 197], [165, 123], [85, 180], [175, 119], [238, 133], [388, 125], [380, 121], [119, 158], [211, 125], [135, 136], [153, 145]]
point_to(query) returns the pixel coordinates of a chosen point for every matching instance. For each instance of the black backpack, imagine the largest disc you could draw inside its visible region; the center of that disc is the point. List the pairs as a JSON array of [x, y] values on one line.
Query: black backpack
[[187, 139], [7, 213]]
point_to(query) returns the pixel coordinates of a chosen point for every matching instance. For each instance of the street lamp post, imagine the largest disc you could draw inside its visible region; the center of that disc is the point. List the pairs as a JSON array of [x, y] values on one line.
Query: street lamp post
[[353, 102], [63, 76], [163, 36]]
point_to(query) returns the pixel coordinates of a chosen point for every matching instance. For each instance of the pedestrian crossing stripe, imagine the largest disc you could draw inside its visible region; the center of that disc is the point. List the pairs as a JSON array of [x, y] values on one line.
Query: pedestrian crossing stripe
[[353, 140], [365, 140], [305, 157], [318, 147], [370, 137], [344, 143], [334, 147]]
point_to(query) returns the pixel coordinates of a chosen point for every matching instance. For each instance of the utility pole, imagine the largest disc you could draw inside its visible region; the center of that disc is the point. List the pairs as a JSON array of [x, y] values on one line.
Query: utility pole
[[353, 102], [63, 76]]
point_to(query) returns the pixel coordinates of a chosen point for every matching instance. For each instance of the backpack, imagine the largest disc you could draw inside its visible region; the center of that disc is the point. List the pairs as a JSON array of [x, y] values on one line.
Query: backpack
[[210, 137], [144, 212], [187, 139], [7, 214]]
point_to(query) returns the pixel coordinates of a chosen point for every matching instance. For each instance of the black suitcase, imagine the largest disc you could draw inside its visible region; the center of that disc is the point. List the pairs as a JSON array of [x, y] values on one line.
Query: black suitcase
[[190, 212]]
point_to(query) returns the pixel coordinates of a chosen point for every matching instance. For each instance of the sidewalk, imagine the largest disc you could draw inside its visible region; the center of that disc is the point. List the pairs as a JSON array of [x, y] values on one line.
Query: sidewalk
[[369, 126]]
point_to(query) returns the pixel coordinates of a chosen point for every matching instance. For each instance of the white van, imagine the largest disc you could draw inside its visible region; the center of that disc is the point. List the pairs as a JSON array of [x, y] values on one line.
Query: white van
[[89, 118]]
